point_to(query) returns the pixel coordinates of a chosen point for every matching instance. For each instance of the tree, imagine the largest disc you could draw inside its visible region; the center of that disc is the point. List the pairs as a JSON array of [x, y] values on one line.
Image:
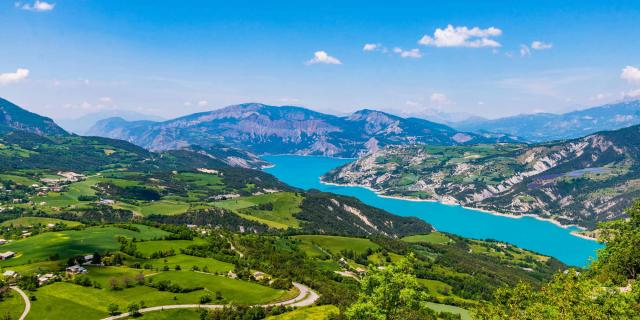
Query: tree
[[140, 278], [113, 283], [133, 309], [389, 294], [595, 294], [619, 260], [569, 295], [113, 309], [205, 299]]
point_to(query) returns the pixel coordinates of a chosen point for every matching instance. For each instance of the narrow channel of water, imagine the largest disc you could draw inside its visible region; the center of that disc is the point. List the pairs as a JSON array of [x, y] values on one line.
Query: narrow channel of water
[[529, 233]]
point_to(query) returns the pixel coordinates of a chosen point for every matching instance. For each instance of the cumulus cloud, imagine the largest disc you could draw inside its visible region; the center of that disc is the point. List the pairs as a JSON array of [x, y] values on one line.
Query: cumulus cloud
[[630, 74], [413, 53], [203, 103], [321, 57], [440, 99], [371, 46], [633, 94], [36, 6], [462, 37], [539, 45], [12, 77]]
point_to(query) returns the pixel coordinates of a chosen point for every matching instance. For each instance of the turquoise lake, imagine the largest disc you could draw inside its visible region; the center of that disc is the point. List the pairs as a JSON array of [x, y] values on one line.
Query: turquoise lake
[[529, 233]]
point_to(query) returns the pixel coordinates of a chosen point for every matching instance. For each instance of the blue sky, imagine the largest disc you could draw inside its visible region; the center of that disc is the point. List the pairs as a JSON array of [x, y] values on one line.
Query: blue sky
[[171, 58]]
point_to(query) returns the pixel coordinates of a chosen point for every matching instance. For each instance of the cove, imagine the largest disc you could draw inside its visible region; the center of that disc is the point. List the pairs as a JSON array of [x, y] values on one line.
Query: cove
[[540, 236]]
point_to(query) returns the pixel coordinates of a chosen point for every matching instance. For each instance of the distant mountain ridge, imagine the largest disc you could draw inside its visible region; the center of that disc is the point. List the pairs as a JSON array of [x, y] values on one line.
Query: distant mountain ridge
[[14, 117], [541, 127], [581, 181], [267, 129], [82, 124]]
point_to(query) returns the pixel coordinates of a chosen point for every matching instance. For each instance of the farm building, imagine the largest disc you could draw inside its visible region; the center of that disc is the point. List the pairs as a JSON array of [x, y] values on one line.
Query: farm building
[[7, 255], [76, 270]]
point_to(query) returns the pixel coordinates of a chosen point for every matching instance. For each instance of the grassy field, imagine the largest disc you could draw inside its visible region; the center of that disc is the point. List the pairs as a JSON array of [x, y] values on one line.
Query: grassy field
[[310, 313], [335, 244], [103, 274], [19, 179], [71, 243], [434, 238], [233, 291], [436, 288], [29, 221], [311, 249], [464, 313], [186, 262], [12, 306], [149, 247], [285, 206], [379, 259], [182, 314], [63, 300], [164, 207], [37, 267]]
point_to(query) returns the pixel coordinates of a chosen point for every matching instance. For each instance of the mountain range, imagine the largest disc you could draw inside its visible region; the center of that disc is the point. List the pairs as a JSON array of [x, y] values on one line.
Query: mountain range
[[14, 117], [581, 181], [541, 127], [267, 129], [81, 125]]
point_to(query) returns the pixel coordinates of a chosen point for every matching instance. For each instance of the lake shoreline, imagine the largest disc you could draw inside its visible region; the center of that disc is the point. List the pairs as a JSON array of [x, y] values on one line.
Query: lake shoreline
[[495, 213]]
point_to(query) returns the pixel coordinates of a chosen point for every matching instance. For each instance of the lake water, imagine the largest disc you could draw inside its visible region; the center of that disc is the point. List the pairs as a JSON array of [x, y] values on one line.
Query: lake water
[[529, 233]]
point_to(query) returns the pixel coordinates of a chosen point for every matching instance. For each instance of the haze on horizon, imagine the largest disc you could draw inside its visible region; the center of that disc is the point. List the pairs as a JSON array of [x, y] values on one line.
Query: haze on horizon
[[65, 58]]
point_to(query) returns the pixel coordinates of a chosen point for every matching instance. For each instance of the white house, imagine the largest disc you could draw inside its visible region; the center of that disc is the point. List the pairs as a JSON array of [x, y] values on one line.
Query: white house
[[7, 255], [10, 274], [76, 269]]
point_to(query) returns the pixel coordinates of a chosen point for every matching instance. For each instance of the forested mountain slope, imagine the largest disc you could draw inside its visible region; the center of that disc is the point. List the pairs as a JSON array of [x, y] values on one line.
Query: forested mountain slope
[[583, 181]]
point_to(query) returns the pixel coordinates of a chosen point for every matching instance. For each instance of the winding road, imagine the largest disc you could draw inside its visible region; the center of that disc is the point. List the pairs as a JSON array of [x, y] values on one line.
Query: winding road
[[306, 297], [27, 302]]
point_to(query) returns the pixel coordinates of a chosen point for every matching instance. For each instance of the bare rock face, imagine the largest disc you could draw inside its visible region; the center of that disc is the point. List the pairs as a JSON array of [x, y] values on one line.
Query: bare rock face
[[583, 181], [292, 130]]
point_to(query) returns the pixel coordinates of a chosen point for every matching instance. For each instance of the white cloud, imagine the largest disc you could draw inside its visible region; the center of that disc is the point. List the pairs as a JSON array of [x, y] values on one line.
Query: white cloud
[[105, 100], [371, 46], [36, 6], [462, 37], [289, 100], [324, 58], [631, 74], [12, 77], [524, 50], [633, 94], [600, 96], [203, 103], [539, 45], [440, 99], [413, 53]]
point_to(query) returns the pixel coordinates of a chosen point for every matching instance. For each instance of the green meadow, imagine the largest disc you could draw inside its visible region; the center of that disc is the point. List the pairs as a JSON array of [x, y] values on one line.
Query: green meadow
[[433, 238], [233, 291], [149, 247], [335, 244], [30, 221], [71, 243], [187, 262], [12, 305], [282, 216], [309, 313]]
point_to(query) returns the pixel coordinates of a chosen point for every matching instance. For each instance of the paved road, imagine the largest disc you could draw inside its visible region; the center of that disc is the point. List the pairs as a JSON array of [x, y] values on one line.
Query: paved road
[[27, 303], [306, 297]]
